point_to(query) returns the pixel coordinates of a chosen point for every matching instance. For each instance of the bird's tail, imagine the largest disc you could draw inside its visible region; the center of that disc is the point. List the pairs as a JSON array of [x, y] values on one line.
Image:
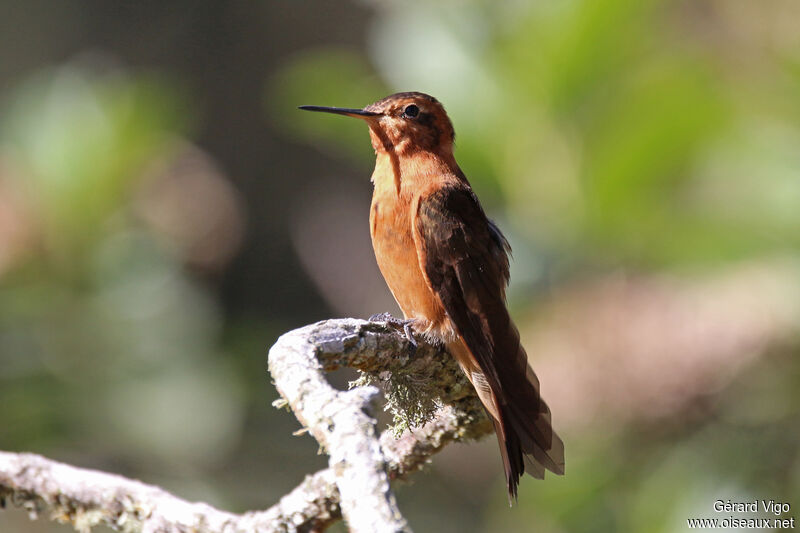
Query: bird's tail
[[520, 416]]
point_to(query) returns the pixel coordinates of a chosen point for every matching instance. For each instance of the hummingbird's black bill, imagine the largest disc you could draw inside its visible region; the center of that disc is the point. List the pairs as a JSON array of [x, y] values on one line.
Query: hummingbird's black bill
[[339, 111]]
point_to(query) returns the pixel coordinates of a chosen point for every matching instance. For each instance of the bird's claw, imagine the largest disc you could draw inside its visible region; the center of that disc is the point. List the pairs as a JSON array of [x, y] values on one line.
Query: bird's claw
[[381, 317], [404, 324], [410, 336]]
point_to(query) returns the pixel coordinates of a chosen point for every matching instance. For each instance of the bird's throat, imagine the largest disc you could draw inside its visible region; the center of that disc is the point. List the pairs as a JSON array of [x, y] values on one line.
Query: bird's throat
[[406, 173]]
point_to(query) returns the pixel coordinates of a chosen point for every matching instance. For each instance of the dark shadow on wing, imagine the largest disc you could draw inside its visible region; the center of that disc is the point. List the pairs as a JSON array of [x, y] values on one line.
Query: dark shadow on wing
[[466, 261]]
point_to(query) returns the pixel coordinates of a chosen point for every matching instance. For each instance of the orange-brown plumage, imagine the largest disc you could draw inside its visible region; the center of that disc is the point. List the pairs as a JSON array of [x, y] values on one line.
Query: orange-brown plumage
[[446, 264]]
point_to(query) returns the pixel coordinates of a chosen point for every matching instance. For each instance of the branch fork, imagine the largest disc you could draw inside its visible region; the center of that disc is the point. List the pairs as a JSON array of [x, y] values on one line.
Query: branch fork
[[428, 387]]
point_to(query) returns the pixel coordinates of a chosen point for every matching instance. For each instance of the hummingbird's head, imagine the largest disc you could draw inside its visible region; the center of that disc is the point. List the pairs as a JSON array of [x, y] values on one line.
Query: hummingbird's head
[[403, 123]]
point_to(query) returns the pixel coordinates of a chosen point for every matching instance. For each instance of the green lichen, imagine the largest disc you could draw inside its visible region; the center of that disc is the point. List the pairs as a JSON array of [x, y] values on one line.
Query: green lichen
[[411, 399]]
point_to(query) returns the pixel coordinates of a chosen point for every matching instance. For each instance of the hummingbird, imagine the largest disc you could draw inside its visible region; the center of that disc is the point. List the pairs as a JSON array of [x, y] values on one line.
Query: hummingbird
[[447, 266]]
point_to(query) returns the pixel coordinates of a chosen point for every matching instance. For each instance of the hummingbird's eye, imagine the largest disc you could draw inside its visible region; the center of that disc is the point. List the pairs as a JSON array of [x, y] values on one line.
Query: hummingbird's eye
[[411, 111]]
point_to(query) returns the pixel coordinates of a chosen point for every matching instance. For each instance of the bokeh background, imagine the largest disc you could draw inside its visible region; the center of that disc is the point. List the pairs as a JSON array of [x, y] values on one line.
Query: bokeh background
[[165, 213]]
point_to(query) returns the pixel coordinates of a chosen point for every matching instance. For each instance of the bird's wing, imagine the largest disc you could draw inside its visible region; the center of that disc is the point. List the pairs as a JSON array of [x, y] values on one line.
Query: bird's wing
[[465, 259]]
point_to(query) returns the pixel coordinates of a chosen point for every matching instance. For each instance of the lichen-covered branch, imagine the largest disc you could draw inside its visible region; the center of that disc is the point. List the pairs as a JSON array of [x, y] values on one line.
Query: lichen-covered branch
[[86, 498], [427, 389], [422, 385]]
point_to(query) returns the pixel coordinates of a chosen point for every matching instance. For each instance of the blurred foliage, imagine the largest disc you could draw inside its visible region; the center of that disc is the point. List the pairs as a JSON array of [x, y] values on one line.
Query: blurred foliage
[[91, 300], [80, 142]]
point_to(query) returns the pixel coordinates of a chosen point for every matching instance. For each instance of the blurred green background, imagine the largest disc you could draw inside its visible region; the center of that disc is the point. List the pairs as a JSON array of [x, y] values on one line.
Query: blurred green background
[[166, 213]]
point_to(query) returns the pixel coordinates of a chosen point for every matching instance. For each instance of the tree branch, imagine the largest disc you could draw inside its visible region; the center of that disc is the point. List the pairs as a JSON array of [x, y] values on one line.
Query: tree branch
[[343, 422], [85, 498]]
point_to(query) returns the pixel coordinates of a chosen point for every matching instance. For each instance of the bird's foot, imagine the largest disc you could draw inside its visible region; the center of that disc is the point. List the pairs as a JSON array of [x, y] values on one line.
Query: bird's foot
[[404, 324]]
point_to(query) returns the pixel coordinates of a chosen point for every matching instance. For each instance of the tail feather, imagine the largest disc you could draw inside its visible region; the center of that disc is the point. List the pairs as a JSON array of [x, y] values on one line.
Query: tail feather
[[521, 418], [511, 454], [523, 450]]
